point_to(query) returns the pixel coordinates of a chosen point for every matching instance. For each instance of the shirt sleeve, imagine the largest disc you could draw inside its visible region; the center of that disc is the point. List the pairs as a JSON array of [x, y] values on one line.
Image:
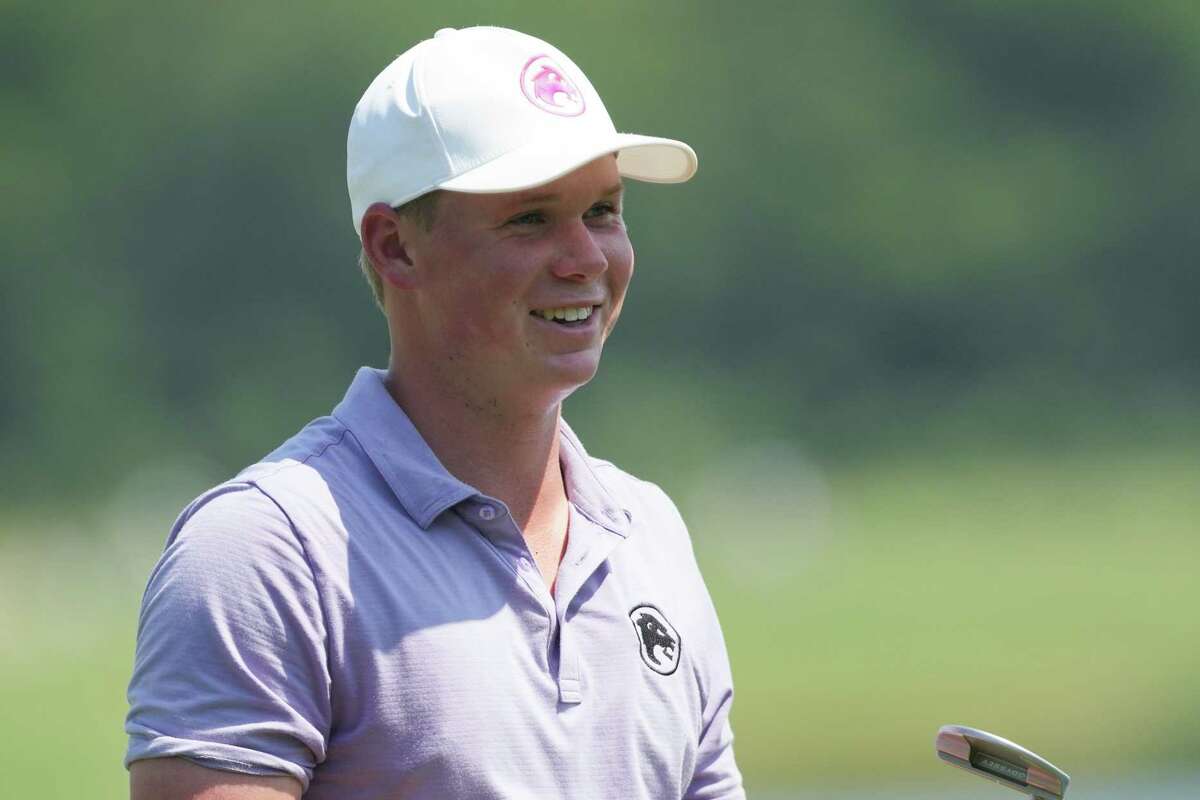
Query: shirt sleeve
[[716, 775], [230, 670]]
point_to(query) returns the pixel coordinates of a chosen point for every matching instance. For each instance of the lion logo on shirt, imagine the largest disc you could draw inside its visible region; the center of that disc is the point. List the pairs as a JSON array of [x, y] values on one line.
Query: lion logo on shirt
[[657, 639]]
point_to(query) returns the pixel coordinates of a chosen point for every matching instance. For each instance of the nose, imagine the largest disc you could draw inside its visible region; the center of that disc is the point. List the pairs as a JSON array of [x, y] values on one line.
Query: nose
[[579, 257]]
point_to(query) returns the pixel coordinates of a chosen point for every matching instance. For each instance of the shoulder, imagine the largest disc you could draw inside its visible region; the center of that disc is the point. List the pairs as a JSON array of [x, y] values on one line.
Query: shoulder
[[644, 502], [324, 446], [634, 493], [641, 499], [231, 534], [656, 526], [312, 474], [254, 513]]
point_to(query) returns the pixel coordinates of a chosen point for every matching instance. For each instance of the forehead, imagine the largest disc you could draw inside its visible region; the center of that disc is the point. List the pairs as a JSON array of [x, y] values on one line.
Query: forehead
[[585, 184]]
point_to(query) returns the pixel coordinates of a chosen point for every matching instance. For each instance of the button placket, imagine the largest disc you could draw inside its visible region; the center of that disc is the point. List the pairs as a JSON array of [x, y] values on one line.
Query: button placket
[[570, 675], [511, 547], [588, 547]]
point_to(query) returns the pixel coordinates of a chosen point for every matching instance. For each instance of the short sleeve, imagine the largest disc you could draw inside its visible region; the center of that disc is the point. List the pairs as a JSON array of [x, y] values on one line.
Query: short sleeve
[[716, 775], [230, 669]]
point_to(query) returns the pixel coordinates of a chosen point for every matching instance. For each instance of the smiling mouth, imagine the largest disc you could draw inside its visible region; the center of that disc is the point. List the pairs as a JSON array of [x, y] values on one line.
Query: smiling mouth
[[573, 316]]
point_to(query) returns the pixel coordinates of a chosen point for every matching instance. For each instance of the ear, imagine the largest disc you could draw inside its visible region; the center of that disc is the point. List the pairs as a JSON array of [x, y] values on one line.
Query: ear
[[386, 241]]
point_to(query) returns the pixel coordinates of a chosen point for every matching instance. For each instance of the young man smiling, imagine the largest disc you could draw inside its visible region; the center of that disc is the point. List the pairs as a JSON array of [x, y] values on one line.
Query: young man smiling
[[435, 592]]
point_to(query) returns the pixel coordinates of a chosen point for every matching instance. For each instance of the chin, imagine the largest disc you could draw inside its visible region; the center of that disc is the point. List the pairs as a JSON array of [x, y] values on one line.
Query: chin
[[564, 374]]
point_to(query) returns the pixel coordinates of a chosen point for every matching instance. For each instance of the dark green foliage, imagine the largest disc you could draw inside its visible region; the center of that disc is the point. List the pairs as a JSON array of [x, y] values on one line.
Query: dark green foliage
[[902, 209]]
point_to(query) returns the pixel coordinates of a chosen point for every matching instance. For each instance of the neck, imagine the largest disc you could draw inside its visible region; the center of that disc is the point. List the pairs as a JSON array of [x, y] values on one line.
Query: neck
[[512, 456]]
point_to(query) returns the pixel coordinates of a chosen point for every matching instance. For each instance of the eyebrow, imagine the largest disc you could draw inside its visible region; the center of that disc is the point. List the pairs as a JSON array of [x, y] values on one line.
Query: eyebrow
[[552, 196]]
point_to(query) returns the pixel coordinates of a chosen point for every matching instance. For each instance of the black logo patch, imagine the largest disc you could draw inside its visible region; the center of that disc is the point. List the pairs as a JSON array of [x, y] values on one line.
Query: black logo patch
[[657, 638]]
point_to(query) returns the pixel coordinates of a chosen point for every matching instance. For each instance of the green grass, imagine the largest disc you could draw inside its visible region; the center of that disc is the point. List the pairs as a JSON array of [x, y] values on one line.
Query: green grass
[[68, 606], [1049, 597]]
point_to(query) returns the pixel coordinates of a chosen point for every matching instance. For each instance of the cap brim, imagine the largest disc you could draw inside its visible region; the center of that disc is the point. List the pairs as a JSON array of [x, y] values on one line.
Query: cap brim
[[643, 158]]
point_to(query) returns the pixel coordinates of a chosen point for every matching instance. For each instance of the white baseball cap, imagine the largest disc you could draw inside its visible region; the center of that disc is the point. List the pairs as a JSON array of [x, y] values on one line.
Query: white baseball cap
[[487, 110]]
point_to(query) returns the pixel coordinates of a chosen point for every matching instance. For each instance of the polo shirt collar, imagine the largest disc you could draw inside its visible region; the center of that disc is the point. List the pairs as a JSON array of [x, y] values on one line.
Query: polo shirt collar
[[585, 489], [424, 486]]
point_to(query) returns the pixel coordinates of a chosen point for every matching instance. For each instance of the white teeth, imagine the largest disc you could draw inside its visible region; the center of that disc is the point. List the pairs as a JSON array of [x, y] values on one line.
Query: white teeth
[[566, 314]]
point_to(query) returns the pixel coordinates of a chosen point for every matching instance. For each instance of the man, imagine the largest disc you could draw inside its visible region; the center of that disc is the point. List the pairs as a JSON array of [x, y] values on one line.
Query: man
[[435, 592]]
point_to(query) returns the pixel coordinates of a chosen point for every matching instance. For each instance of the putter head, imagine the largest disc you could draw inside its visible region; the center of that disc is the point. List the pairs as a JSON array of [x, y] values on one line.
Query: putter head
[[1001, 761]]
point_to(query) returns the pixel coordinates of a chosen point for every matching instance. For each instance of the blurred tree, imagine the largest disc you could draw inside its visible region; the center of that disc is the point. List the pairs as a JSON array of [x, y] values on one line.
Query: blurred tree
[[902, 208]]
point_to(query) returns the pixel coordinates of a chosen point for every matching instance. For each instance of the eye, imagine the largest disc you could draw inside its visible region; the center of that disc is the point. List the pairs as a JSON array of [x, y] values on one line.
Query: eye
[[527, 218], [600, 210]]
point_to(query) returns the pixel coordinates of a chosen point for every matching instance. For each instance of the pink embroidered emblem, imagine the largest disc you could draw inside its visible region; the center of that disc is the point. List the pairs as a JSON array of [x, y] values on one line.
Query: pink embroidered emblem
[[545, 85]]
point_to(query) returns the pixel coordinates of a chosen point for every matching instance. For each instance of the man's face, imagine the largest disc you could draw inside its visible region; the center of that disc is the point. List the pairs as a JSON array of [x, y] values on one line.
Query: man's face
[[495, 266]]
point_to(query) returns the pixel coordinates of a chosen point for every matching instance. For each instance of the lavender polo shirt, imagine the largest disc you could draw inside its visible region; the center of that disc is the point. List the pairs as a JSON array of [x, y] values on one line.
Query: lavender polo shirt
[[348, 613]]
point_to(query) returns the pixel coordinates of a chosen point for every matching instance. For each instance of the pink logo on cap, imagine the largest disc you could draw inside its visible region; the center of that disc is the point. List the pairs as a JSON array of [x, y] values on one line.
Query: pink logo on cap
[[545, 85]]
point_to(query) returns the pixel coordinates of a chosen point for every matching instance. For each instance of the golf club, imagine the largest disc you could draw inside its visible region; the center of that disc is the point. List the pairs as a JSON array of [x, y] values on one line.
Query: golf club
[[1002, 761]]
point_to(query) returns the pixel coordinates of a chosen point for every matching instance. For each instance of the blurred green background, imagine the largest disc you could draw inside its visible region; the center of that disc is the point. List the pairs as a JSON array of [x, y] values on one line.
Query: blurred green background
[[917, 352]]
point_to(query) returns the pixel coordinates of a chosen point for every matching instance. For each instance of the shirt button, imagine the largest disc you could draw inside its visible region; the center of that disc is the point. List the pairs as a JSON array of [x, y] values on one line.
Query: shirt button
[[523, 563], [487, 513]]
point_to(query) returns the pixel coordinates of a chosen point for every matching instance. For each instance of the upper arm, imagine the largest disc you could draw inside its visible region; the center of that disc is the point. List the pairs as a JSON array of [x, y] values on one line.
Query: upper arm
[[178, 779], [230, 668]]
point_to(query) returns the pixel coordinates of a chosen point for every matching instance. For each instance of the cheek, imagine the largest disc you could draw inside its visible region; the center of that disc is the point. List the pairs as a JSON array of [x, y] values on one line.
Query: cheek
[[623, 264], [483, 318], [460, 319], [620, 273], [477, 304]]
